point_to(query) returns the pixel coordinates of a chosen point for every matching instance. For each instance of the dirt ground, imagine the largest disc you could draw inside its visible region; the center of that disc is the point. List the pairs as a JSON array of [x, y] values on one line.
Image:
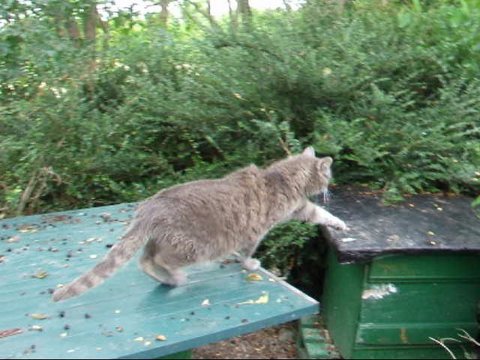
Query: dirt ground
[[272, 343]]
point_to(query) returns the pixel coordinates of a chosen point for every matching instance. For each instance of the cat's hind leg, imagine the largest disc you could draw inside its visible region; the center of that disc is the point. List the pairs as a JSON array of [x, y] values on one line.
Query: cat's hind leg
[[154, 267], [166, 276]]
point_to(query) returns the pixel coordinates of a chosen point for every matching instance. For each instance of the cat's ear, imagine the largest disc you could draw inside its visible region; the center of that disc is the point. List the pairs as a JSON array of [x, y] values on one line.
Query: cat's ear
[[325, 164], [309, 151], [327, 161]]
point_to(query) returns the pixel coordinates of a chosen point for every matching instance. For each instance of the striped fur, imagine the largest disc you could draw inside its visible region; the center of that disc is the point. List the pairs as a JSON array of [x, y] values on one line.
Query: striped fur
[[205, 220], [118, 255]]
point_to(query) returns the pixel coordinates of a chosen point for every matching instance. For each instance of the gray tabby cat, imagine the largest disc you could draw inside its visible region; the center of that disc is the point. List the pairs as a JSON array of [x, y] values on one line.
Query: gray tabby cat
[[208, 219]]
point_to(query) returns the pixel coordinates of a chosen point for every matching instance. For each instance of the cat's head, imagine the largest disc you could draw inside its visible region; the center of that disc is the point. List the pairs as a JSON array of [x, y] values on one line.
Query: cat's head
[[321, 174]]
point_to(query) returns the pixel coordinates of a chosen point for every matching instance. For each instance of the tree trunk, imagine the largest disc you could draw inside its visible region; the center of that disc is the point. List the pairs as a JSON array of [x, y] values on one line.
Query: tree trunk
[[233, 16], [243, 8], [73, 30], [90, 36], [164, 12], [340, 4], [106, 31], [209, 9], [90, 24]]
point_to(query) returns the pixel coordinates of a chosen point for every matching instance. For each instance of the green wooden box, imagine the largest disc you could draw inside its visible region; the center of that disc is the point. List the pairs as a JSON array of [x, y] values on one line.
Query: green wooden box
[[391, 306], [402, 276]]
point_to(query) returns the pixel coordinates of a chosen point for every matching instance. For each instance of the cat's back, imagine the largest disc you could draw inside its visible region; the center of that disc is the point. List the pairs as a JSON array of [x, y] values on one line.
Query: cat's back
[[238, 183], [207, 208], [208, 194]]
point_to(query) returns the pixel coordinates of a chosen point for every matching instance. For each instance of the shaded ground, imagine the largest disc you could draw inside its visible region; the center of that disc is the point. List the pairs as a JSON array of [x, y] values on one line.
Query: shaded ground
[[272, 343]]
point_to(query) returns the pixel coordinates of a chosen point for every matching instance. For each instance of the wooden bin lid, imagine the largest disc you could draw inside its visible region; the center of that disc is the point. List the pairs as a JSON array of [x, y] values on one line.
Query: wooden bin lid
[[420, 224]]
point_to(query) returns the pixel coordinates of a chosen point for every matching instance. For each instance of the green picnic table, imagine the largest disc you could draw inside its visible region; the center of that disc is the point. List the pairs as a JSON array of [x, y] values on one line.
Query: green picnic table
[[130, 315]]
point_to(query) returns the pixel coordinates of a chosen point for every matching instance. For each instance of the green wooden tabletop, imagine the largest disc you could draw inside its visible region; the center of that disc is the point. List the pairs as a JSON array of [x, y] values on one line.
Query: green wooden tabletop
[[123, 317]]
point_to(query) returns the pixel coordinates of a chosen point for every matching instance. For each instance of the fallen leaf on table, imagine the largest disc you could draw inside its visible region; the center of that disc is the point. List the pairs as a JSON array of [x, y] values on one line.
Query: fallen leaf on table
[[254, 277], [14, 239], [10, 332], [28, 229], [38, 316], [160, 338], [40, 274], [263, 299]]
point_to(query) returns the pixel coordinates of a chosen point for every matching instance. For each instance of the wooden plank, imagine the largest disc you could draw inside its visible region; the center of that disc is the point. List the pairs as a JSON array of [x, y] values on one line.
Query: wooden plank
[[314, 340], [410, 334], [425, 268], [415, 303], [434, 351], [122, 317], [342, 302]]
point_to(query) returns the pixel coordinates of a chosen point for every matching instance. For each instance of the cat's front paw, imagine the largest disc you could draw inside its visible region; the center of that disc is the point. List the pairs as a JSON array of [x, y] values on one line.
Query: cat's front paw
[[251, 264], [338, 224]]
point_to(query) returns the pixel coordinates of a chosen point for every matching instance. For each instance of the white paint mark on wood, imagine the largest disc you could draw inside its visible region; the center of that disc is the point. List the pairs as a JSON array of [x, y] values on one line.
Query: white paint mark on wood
[[379, 291]]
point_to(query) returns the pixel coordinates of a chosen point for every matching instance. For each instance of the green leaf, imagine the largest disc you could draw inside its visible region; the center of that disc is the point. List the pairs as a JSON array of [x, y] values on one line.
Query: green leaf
[[476, 202]]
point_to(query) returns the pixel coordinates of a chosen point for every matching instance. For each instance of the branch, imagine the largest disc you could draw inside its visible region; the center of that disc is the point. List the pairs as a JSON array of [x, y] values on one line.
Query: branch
[[440, 342], [287, 5], [468, 337], [27, 193], [205, 14], [36, 186], [284, 146]]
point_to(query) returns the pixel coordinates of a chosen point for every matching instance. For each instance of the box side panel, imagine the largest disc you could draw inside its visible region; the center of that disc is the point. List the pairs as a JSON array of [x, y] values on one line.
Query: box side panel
[[342, 302]]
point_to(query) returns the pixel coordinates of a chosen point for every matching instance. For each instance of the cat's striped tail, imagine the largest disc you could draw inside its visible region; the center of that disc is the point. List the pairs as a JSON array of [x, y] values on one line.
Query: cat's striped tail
[[118, 255]]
